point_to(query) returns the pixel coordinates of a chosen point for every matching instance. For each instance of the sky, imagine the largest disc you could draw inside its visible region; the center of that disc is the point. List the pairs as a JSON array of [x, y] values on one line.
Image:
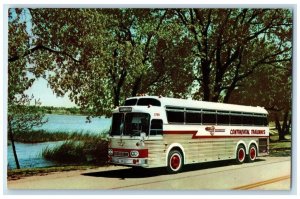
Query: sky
[[42, 91]]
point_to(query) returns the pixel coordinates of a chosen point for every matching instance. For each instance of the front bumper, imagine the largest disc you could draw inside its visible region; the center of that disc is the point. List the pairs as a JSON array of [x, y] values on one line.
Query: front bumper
[[141, 162]]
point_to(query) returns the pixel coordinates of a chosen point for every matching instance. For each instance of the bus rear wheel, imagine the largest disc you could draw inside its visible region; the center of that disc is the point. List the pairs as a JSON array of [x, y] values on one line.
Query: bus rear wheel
[[240, 154], [175, 161], [252, 153]]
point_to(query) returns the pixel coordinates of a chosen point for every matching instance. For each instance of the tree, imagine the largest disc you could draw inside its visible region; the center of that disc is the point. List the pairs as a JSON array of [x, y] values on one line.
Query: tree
[[21, 117], [102, 56], [270, 87], [232, 44], [109, 54]]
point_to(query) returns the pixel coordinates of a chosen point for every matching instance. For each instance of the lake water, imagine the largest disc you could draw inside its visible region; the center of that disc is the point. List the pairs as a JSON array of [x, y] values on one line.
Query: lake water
[[75, 123], [29, 155]]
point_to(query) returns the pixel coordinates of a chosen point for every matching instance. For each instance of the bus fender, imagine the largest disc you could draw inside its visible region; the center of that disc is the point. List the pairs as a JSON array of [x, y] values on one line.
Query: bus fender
[[243, 143], [174, 145]]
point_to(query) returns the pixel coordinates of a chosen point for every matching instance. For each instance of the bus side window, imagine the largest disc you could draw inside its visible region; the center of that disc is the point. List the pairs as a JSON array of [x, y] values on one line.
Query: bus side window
[[248, 120], [261, 121], [208, 118], [236, 120], [156, 127], [175, 116], [222, 119], [193, 118]]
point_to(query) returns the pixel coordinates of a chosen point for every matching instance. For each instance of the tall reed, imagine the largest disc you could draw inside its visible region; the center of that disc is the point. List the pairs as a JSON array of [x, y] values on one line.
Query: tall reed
[[78, 151], [44, 136]]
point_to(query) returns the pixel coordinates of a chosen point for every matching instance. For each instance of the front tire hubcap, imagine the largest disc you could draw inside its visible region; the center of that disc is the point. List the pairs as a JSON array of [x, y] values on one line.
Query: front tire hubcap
[[241, 155], [175, 162]]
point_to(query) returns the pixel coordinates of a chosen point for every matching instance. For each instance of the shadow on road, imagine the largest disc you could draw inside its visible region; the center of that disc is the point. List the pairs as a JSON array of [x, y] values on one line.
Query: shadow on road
[[129, 173], [146, 173]]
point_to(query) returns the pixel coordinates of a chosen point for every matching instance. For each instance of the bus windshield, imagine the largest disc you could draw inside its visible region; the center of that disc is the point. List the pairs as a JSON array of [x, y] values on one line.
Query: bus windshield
[[132, 124]]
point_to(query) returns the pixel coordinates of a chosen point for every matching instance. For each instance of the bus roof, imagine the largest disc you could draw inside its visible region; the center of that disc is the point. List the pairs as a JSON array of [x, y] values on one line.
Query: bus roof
[[189, 103]]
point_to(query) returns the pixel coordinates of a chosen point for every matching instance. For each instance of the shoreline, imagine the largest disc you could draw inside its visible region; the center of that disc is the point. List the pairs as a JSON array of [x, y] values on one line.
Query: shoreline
[[16, 174], [40, 136]]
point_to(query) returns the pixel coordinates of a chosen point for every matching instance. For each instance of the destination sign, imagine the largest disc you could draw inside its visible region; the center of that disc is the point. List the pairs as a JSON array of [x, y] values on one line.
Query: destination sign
[[125, 109], [246, 131]]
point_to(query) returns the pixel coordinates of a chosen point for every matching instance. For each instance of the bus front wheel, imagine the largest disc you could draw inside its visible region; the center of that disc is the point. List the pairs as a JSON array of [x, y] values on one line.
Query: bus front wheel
[[175, 161], [240, 154]]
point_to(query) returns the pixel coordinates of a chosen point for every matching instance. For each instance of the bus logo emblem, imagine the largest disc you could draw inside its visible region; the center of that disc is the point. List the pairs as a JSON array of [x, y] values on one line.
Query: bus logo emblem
[[210, 129]]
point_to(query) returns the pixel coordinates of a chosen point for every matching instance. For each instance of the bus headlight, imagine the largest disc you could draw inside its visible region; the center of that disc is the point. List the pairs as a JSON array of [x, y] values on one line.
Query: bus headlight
[[134, 154], [110, 152]]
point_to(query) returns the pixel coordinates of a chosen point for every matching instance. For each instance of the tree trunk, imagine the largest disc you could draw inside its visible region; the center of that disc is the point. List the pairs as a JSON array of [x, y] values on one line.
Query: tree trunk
[[205, 80], [228, 93], [289, 125], [116, 97], [136, 86], [279, 128], [285, 125], [11, 136], [277, 125]]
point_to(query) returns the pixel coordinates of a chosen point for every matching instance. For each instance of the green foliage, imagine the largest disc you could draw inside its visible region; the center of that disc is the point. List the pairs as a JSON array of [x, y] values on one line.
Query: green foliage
[[94, 150], [39, 136], [270, 87], [102, 56], [117, 53], [20, 116], [36, 136], [67, 152], [231, 44]]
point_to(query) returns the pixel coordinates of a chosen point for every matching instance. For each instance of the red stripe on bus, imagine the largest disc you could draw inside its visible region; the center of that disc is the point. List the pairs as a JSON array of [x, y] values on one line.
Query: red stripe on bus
[[180, 132], [226, 136], [143, 153], [208, 136]]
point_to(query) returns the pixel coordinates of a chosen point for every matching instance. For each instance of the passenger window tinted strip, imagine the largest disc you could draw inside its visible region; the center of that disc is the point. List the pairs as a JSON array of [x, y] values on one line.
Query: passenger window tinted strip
[[148, 101], [175, 117]]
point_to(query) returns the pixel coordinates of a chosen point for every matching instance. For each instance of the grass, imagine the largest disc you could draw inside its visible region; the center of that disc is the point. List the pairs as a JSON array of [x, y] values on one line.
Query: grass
[[279, 148], [78, 152], [44, 136], [78, 147]]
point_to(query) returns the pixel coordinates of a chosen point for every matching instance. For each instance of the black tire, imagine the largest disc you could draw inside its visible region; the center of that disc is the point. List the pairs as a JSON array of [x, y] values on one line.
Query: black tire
[[240, 154], [252, 153], [175, 161]]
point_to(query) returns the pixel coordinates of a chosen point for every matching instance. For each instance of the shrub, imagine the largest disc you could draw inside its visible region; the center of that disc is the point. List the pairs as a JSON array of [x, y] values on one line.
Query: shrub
[[84, 151]]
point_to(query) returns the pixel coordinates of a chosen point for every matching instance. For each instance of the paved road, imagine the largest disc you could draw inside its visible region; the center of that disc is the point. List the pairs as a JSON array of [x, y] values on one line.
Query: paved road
[[269, 173]]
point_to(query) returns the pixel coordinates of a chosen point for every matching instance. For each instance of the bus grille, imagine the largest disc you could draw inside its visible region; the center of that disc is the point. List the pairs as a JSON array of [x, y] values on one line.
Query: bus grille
[[121, 154]]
